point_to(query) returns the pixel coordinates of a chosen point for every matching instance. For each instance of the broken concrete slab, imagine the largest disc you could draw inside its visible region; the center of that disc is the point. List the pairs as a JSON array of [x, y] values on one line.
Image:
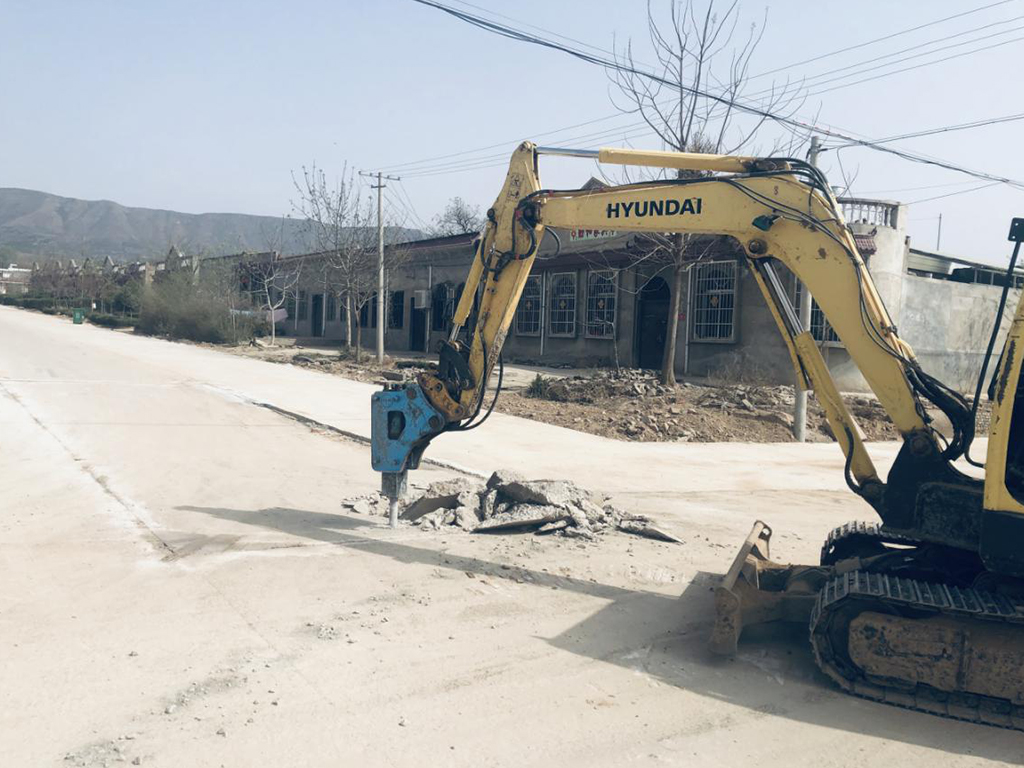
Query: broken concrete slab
[[466, 517], [646, 529], [444, 494], [522, 516], [558, 525], [558, 493], [502, 477], [370, 504], [487, 502]]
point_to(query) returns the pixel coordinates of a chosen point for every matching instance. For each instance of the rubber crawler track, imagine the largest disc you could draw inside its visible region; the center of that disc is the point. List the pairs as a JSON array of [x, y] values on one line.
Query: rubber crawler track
[[888, 594]]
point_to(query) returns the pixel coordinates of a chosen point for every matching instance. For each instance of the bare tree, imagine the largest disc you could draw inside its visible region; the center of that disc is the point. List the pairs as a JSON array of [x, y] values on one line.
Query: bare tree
[[341, 226], [457, 218], [273, 282], [696, 54]]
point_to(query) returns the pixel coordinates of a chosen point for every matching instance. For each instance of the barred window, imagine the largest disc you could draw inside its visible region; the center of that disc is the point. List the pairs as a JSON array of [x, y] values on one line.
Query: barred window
[[600, 304], [528, 311], [396, 310], [332, 307], [821, 331], [562, 312], [303, 305], [714, 301], [290, 306]]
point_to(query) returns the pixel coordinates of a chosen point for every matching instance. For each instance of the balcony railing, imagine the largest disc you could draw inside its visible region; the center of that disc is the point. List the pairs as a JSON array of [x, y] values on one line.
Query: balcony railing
[[881, 213]]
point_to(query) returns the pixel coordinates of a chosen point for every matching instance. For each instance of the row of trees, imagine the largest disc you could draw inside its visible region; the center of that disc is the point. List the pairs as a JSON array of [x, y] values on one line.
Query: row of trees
[[111, 290]]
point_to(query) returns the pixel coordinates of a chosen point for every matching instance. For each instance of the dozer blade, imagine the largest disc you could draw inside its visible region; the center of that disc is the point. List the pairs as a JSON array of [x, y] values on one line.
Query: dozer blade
[[757, 590]]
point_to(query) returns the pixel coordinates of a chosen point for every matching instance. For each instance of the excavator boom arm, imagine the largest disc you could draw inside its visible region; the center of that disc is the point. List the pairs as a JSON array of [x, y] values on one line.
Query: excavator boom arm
[[780, 211], [776, 215]]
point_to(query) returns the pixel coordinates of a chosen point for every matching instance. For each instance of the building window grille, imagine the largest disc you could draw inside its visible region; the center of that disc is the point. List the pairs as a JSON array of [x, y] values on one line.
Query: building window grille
[[290, 306], [396, 313], [528, 311], [562, 313], [332, 307], [303, 306], [600, 304], [714, 301], [821, 331]]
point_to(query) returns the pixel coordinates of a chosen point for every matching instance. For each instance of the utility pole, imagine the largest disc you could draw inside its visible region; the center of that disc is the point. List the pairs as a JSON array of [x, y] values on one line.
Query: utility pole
[[800, 398], [379, 186], [938, 235]]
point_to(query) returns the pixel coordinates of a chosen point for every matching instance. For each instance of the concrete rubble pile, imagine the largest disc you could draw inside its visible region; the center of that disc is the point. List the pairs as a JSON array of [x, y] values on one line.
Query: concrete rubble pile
[[637, 406], [507, 502], [603, 385]]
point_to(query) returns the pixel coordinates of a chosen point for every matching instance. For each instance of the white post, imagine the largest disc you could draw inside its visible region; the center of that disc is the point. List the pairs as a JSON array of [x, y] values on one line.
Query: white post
[[380, 269], [800, 399]]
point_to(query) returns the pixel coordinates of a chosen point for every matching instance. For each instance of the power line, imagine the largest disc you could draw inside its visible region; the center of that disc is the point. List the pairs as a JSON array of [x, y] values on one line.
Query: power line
[[403, 195], [399, 206], [888, 37], [952, 194], [501, 158], [915, 189], [947, 129], [540, 134], [919, 66], [918, 46], [520, 36]]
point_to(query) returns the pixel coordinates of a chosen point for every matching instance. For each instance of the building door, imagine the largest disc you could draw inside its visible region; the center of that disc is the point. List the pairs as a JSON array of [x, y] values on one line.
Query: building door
[[418, 330], [318, 314], [652, 323]]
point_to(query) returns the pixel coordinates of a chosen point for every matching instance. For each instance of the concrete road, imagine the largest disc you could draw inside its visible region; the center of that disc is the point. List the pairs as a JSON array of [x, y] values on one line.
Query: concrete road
[[178, 587]]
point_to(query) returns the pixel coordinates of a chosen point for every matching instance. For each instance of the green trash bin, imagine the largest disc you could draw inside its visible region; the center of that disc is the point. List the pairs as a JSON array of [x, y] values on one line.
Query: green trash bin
[[78, 316]]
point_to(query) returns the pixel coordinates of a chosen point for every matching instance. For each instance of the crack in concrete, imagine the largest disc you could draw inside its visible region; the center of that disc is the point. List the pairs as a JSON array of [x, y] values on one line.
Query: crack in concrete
[[128, 506]]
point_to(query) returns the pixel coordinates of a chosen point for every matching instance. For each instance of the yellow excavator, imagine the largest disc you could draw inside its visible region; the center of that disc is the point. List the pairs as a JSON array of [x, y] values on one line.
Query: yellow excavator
[[924, 610]]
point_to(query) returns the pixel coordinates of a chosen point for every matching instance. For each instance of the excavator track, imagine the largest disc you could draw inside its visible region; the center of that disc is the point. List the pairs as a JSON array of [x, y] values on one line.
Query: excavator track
[[852, 539], [930, 647]]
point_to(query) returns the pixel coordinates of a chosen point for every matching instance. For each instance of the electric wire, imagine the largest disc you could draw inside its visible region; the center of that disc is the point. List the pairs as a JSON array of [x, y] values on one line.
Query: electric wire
[[953, 194], [520, 36], [752, 77], [945, 129], [781, 120], [889, 36]]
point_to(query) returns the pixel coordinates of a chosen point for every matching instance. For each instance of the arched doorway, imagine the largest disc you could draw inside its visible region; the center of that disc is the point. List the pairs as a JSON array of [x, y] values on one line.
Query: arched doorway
[[652, 323]]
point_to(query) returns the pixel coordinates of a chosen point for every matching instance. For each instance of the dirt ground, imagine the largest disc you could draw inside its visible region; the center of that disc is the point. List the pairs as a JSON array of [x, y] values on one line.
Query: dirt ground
[[631, 404]]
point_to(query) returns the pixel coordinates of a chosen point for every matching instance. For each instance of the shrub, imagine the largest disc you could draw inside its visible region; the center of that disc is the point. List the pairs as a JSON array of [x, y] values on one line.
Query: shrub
[[27, 302], [110, 321], [178, 308], [538, 387]]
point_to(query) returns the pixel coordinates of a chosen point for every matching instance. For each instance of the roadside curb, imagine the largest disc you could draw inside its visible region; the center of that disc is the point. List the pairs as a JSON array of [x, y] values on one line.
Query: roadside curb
[[313, 423]]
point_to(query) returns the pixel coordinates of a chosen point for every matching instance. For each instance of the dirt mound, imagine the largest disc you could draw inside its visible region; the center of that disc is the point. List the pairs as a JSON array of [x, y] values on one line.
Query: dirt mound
[[634, 405]]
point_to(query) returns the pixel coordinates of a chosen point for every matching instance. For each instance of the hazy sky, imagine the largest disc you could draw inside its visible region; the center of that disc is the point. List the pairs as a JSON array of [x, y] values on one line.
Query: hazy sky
[[199, 106]]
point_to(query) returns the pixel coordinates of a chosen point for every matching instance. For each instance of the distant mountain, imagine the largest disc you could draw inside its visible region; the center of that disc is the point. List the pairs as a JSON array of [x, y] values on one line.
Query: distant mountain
[[38, 225]]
